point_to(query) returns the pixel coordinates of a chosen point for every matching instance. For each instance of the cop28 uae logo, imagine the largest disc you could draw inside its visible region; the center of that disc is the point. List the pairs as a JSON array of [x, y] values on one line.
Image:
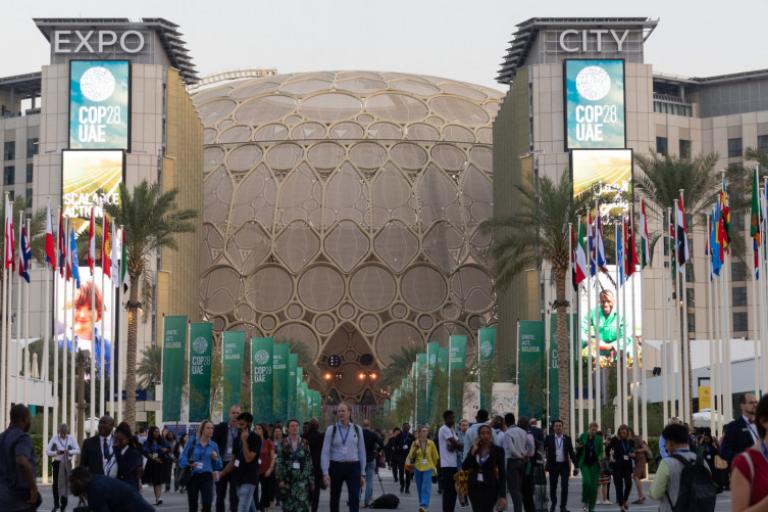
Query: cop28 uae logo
[[261, 357], [593, 83], [486, 349], [97, 84], [200, 345]]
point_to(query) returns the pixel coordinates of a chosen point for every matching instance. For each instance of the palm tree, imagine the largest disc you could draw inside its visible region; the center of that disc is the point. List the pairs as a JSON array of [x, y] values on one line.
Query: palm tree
[[151, 222], [537, 232], [150, 367], [400, 366]]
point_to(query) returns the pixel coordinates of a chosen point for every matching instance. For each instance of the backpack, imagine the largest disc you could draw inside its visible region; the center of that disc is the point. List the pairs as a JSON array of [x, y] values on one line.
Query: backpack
[[386, 501], [698, 493]]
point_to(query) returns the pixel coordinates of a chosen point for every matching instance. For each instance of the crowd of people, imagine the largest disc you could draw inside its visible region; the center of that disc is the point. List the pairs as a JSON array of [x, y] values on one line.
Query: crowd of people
[[247, 467]]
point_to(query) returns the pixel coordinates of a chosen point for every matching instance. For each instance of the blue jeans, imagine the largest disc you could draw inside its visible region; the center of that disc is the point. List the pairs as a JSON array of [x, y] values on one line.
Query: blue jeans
[[247, 495], [424, 486], [370, 470]]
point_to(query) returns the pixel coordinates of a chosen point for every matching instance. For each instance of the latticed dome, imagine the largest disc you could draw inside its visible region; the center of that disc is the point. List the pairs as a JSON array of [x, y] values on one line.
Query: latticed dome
[[341, 212]]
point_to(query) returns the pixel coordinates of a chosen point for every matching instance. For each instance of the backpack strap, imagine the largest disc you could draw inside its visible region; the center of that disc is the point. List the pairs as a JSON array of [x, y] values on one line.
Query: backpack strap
[[686, 464]]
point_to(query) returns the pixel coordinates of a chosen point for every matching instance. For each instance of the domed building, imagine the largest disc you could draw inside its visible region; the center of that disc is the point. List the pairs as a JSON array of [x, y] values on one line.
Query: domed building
[[341, 212]]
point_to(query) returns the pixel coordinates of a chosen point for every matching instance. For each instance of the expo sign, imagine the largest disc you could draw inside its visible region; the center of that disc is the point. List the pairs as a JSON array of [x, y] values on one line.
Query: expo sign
[[97, 41]]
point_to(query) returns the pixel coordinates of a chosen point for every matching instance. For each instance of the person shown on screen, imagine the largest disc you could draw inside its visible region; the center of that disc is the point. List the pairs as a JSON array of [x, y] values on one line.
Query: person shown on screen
[[605, 319]]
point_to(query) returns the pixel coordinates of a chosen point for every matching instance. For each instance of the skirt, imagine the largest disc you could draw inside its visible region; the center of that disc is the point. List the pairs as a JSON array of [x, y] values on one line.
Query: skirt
[[154, 473]]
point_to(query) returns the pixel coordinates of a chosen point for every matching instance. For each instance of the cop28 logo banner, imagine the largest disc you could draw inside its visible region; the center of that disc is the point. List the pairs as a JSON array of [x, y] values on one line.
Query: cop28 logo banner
[[594, 103], [99, 104]]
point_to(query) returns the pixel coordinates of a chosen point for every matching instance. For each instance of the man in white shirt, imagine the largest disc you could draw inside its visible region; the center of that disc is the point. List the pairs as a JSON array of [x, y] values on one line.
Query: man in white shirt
[[516, 452], [449, 447], [560, 454], [61, 448], [481, 418]]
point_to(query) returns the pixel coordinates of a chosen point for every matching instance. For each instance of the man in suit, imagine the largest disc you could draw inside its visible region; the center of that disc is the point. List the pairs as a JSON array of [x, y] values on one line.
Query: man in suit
[[104, 493], [741, 433], [315, 440], [560, 455], [402, 447], [97, 454], [225, 434]]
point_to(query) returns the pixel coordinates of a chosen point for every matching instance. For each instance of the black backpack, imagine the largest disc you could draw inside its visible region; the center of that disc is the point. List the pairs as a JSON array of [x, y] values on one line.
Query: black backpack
[[698, 493], [386, 501]]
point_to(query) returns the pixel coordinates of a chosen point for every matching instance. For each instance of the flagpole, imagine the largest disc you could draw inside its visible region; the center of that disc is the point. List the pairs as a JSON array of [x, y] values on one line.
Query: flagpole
[[623, 335], [763, 316], [4, 314], [73, 410], [571, 344], [48, 322], [674, 383], [618, 410], [598, 339], [728, 359], [27, 361], [65, 418], [121, 366], [710, 332], [590, 343], [17, 322], [103, 345]]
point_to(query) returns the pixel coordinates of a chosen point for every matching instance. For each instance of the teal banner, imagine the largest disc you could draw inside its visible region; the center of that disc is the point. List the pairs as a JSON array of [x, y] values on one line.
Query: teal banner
[[174, 354], [293, 364], [531, 369], [422, 413], [486, 345], [457, 355], [233, 349], [261, 379], [200, 360], [280, 381]]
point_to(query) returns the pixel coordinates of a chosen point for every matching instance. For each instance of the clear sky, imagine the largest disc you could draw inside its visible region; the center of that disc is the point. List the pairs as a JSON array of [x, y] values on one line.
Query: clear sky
[[464, 40]]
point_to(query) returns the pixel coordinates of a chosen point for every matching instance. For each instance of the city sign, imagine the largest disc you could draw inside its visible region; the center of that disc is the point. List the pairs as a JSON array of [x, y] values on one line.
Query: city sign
[[599, 39], [98, 41]]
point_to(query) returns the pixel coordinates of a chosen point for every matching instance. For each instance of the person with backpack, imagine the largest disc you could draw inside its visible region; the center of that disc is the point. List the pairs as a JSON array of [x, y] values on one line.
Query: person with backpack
[[749, 479], [343, 459], [18, 487], [682, 482]]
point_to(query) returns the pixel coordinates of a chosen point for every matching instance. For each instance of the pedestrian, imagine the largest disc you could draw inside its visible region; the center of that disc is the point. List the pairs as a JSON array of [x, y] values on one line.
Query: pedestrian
[[422, 460], [178, 448], [224, 435], [373, 445], [621, 454], [449, 449], [741, 434], [403, 443], [389, 450], [277, 440], [244, 464], [749, 479], [294, 473], [96, 452], [170, 440], [61, 448], [481, 418], [18, 487], [528, 485], [642, 455], [315, 440], [203, 457], [674, 420], [126, 462], [485, 464], [498, 427], [560, 455], [268, 458], [589, 448], [515, 444], [343, 459], [157, 452], [104, 494]]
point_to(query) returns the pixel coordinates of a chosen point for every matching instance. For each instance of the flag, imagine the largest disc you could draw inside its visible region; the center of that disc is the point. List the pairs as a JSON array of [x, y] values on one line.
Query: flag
[[724, 226], [114, 260], [579, 257], [713, 245], [106, 247], [671, 232], [600, 249], [645, 241], [754, 228], [91, 257], [591, 244], [72, 253], [681, 237], [50, 244], [63, 253], [123, 261], [9, 244], [629, 246], [25, 254], [620, 253]]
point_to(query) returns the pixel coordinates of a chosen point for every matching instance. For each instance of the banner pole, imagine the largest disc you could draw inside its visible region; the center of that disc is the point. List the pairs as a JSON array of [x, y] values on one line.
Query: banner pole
[[571, 340], [590, 342], [45, 374], [618, 410]]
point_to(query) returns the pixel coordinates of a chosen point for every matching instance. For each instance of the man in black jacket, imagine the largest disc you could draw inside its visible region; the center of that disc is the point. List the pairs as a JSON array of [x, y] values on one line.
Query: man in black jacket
[[315, 440], [399, 454], [559, 457], [225, 434], [373, 444], [104, 493], [97, 454], [741, 433]]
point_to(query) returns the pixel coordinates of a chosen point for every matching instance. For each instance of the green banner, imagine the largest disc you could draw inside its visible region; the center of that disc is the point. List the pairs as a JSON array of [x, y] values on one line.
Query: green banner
[[442, 360], [422, 413], [433, 351], [486, 345], [531, 369], [200, 359], [554, 382], [174, 354], [233, 348], [293, 364], [261, 379], [303, 392], [457, 354], [280, 381]]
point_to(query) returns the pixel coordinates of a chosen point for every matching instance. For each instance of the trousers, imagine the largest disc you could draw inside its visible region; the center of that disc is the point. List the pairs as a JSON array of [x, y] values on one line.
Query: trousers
[[424, 486], [58, 501], [589, 476], [221, 494], [623, 483], [345, 473], [403, 476], [559, 471], [370, 471], [449, 488], [201, 483], [515, 483]]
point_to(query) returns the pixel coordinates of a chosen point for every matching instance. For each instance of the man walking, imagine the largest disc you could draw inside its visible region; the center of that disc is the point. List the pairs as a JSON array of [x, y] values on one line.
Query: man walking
[[245, 465], [97, 454], [558, 448], [224, 434], [315, 440], [515, 451], [18, 488], [400, 454], [741, 434], [481, 418], [343, 459], [373, 443], [62, 448], [449, 447]]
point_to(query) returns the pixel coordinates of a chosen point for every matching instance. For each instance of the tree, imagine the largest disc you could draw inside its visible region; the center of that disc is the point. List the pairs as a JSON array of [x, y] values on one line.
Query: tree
[[150, 367], [151, 222], [536, 232], [400, 366]]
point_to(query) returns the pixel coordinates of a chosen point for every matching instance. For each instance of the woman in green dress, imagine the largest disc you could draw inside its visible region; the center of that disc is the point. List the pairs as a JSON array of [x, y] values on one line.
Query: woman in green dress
[[590, 452], [294, 470]]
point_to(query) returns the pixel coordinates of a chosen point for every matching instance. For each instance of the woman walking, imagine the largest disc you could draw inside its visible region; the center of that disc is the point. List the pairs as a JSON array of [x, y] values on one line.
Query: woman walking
[[294, 473], [268, 458], [62, 448], [156, 451], [177, 451], [749, 478], [486, 481], [422, 459], [642, 455], [127, 457], [170, 440], [589, 448], [202, 456], [621, 452]]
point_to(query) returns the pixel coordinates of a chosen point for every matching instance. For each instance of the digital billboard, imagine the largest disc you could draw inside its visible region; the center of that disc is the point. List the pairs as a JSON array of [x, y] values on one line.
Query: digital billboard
[[99, 104], [90, 178], [607, 170], [594, 103]]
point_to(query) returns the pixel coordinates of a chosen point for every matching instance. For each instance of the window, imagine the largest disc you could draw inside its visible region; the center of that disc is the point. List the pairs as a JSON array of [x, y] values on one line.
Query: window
[[32, 145], [685, 149], [739, 296], [8, 176], [690, 277], [9, 150], [661, 145], [690, 296], [762, 142], [738, 271], [30, 173], [691, 324], [740, 322], [734, 148]]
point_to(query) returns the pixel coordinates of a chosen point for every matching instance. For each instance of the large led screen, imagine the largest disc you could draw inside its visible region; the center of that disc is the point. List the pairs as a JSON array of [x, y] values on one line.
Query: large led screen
[[608, 172], [90, 178], [99, 104], [594, 103]]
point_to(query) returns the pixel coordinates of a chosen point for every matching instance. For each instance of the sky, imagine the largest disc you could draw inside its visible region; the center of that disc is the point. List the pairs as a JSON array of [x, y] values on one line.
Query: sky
[[464, 40]]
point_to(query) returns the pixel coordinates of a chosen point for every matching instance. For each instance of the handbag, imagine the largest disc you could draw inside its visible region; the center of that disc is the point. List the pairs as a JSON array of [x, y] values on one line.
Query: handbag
[[186, 473], [720, 463]]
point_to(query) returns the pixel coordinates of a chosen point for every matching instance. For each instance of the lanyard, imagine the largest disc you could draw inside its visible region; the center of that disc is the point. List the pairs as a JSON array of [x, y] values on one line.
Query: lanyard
[[625, 447], [342, 436], [295, 451], [559, 443]]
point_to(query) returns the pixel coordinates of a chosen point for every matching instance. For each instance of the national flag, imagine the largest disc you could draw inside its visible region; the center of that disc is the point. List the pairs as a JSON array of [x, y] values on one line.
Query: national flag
[[645, 241], [629, 247], [591, 244], [123, 261], [754, 228], [681, 235], [114, 259], [579, 257], [672, 248], [73, 262], [713, 249], [50, 244], [620, 253], [25, 254], [724, 226], [106, 247], [600, 249], [91, 256], [9, 243]]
